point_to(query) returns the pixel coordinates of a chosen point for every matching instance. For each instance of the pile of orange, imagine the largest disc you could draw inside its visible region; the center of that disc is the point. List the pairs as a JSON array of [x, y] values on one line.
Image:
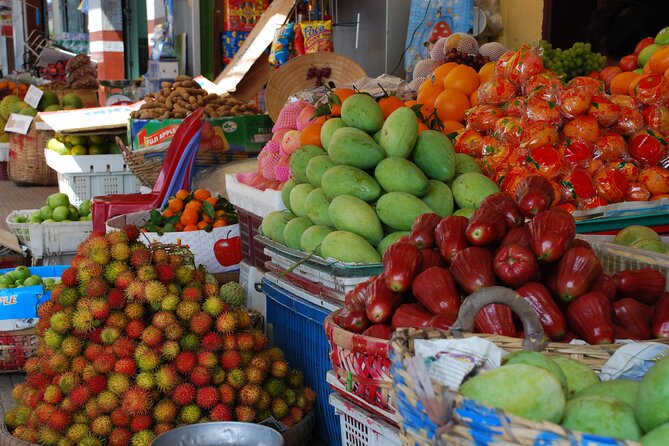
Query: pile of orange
[[191, 211]]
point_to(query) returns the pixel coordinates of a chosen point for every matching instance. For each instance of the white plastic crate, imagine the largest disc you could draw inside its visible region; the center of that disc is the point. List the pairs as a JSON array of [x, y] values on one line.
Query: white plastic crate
[[49, 239], [360, 428], [256, 201], [4, 151], [335, 384], [248, 277], [86, 176]]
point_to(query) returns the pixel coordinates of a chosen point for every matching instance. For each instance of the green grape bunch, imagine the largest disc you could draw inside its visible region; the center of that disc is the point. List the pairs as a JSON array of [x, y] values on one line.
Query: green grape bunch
[[579, 60]]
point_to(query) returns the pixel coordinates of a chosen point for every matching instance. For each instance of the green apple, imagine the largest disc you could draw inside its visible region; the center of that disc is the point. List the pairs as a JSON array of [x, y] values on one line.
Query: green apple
[[61, 213], [21, 273], [85, 208], [74, 213], [32, 281], [662, 37], [645, 54], [35, 217], [96, 139], [6, 280], [58, 199]]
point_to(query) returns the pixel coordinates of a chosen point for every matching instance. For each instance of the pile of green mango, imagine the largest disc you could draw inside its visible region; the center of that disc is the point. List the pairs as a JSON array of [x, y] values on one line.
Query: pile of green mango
[[568, 392], [361, 191], [21, 277], [58, 209], [641, 237], [86, 144]]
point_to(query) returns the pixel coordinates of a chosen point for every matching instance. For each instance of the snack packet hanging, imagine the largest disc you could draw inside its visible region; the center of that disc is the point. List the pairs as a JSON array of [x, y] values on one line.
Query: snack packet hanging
[[298, 41], [317, 36], [280, 50]]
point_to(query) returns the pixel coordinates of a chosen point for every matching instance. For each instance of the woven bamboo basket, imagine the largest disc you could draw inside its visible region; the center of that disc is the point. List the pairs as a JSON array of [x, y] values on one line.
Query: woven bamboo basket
[[431, 414], [27, 163]]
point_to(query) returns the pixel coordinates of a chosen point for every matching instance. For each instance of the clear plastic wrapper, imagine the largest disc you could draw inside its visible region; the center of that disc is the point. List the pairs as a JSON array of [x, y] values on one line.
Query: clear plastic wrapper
[[496, 91], [637, 192], [574, 102], [577, 185], [589, 84], [656, 118], [515, 107], [575, 151], [648, 147], [650, 89], [629, 122], [483, 117], [610, 146], [546, 80], [545, 161], [604, 110], [538, 109], [469, 142], [584, 127], [522, 65], [537, 134], [508, 130]]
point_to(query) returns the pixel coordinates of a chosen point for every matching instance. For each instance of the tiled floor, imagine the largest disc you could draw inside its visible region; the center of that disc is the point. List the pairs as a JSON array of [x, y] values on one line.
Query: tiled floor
[[13, 197]]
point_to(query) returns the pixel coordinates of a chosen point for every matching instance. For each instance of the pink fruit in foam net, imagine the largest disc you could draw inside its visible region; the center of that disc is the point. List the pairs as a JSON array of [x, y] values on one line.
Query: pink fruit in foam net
[[268, 164], [305, 117], [288, 116], [279, 134], [291, 141], [282, 169], [247, 177], [272, 147]]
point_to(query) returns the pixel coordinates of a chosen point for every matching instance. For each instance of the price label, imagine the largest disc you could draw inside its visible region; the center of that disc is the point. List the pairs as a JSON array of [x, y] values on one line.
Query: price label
[[33, 95], [18, 123]]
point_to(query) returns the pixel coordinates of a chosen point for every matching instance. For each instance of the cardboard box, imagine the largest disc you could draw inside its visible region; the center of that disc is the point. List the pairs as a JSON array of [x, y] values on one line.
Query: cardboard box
[[243, 133], [204, 245], [22, 303], [242, 15]]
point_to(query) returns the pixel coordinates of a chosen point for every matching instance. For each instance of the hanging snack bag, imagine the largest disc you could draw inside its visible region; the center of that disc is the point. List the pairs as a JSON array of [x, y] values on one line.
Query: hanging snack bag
[[317, 36], [298, 41], [280, 50]]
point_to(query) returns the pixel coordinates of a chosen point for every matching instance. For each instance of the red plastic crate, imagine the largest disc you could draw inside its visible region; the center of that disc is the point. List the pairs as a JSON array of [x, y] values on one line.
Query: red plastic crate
[[253, 252]]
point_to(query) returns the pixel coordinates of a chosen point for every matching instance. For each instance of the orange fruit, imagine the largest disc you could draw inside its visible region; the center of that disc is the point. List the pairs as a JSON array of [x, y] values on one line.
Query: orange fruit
[[463, 78], [168, 213], [175, 204], [451, 105], [659, 60], [441, 71], [342, 94], [194, 204], [189, 228], [201, 194], [311, 135], [179, 226], [486, 72], [620, 84], [429, 93], [207, 219], [182, 194], [452, 126], [421, 128], [425, 109], [218, 214], [189, 217], [202, 224], [474, 98], [390, 104], [220, 222], [212, 201]]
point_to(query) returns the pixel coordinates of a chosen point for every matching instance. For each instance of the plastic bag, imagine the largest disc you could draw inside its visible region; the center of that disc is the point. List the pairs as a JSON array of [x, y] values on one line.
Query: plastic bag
[[280, 50], [317, 36]]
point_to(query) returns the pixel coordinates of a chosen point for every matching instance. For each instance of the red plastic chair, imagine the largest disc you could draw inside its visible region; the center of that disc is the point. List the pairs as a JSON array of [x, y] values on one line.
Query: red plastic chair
[[107, 206]]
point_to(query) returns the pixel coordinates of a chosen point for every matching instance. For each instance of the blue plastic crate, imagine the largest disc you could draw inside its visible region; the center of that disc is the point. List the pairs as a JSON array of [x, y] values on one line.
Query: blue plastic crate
[[297, 328], [22, 303]]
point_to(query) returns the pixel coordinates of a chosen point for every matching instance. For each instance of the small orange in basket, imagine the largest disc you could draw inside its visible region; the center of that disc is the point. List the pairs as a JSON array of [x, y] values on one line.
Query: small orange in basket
[[212, 200], [168, 213], [179, 226], [189, 228], [311, 135], [220, 222], [189, 217], [182, 194], [194, 204], [175, 204], [201, 194], [207, 219], [202, 224]]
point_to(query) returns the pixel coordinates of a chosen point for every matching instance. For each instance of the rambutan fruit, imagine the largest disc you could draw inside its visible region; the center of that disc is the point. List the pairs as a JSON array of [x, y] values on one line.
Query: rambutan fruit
[[69, 277], [38, 380], [140, 422], [226, 323], [247, 356], [117, 319], [99, 308], [135, 292], [190, 414], [41, 327], [147, 359], [89, 371], [107, 401], [104, 363], [45, 309], [140, 256], [169, 350], [231, 359], [185, 362], [27, 434], [274, 354], [94, 335], [109, 335], [60, 322], [207, 359], [117, 237], [170, 302], [249, 394], [116, 299], [143, 438], [187, 309], [161, 428], [200, 376], [295, 378], [68, 297], [201, 323], [136, 401], [146, 273], [48, 436], [279, 408], [58, 420], [120, 251], [52, 339], [124, 280], [310, 394], [245, 341], [274, 387], [68, 406], [184, 275], [165, 411], [92, 351], [260, 362], [218, 375], [44, 411], [165, 273], [212, 342], [119, 417], [214, 306], [123, 348], [92, 408], [207, 397], [163, 319], [210, 290], [67, 381], [134, 328], [101, 425], [199, 275], [229, 342], [245, 414], [87, 270], [82, 320], [243, 319], [190, 342], [263, 402], [53, 394], [191, 293], [132, 232], [95, 287], [174, 332], [97, 384], [288, 421], [175, 260], [228, 394], [152, 336], [76, 432], [145, 380], [91, 440], [184, 394], [159, 255], [118, 383], [260, 340], [279, 369], [255, 375], [119, 437], [174, 288], [236, 378], [58, 362], [114, 270], [221, 412], [290, 397], [167, 378]]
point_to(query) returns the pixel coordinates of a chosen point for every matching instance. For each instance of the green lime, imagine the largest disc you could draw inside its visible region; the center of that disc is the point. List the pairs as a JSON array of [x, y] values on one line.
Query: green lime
[[74, 213], [78, 150], [97, 149], [61, 213], [77, 140], [32, 281], [21, 273], [85, 208], [58, 199], [45, 212], [35, 217]]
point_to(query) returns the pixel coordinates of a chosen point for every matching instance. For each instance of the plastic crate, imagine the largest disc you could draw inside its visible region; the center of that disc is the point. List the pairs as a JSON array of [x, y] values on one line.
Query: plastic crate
[[255, 201], [86, 176], [253, 252], [4, 174], [333, 380], [16, 347], [296, 326], [22, 303], [49, 239], [360, 428], [249, 276]]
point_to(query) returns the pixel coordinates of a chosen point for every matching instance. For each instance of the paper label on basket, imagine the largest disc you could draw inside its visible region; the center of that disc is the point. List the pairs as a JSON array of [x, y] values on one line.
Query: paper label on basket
[[18, 123], [450, 361], [33, 96], [633, 360]]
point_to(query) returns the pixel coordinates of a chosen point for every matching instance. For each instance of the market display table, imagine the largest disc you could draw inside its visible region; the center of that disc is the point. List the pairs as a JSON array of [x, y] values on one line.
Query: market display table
[[7, 383]]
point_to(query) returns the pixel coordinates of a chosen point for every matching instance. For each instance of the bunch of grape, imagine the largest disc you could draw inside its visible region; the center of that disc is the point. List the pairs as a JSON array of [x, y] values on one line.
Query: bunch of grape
[[578, 60], [476, 62]]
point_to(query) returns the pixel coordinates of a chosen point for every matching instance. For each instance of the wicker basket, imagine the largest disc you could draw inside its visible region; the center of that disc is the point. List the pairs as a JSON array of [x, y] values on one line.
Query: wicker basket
[[431, 414], [27, 163], [15, 348]]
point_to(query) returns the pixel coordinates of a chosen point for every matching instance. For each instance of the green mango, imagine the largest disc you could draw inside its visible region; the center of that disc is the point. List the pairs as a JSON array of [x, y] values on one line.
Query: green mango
[[539, 360], [622, 389], [389, 240], [652, 402], [349, 180], [401, 175], [633, 233], [348, 213], [329, 127], [470, 189], [439, 197], [316, 167], [656, 437], [435, 156], [399, 133], [362, 112], [465, 212], [579, 376], [601, 415], [398, 210], [316, 207], [312, 238], [298, 198], [274, 223], [293, 231], [465, 164], [299, 160], [353, 147], [285, 192], [348, 247]]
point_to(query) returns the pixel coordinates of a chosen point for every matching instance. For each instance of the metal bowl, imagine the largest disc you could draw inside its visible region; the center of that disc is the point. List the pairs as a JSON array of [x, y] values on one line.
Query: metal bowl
[[220, 434]]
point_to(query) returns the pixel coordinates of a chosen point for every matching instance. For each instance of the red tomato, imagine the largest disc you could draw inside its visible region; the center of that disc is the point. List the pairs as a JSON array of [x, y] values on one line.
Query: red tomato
[[628, 63], [538, 133], [592, 86], [637, 192], [584, 127], [468, 142], [648, 147], [496, 91], [629, 122], [575, 150], [515, 107], [643, 43], [483, 117], [657, 118], [545, 161], [604, 111], [537, 109], [574, 102], [611, 147], [611, 184], [628, 168], [577, 186], [508, 130]]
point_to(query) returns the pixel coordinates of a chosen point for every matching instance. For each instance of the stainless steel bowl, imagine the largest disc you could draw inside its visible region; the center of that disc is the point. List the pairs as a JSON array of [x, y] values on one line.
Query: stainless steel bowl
[[220, 434]]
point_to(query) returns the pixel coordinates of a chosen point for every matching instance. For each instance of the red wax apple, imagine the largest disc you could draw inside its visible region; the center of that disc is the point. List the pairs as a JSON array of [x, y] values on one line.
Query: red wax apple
[[228, 251], [515, 265]]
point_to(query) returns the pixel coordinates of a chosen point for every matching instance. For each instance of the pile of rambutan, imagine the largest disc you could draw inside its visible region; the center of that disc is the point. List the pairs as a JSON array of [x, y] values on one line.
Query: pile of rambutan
[[136, 341]]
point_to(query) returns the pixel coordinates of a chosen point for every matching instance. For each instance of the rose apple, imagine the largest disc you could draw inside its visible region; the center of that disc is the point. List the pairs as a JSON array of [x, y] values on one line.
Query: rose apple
[[515, 265]]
